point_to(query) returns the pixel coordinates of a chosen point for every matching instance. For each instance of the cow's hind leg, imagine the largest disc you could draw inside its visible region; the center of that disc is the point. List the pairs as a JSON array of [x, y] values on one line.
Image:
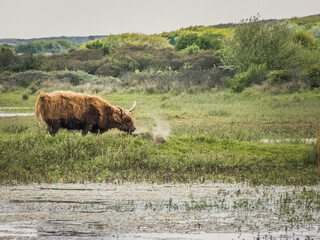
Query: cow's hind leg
[[95, 129]]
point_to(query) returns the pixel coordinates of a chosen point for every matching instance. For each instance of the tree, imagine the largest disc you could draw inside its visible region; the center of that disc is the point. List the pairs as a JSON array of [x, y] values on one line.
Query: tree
[[204, 42], [30, 62], [7, 58], [34, 47], [56, 47], [255, 42], [186, 40]]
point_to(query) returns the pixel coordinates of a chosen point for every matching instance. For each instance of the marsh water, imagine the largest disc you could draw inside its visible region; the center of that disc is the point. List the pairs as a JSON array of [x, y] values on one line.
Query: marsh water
[[16, 111], [152, 211]]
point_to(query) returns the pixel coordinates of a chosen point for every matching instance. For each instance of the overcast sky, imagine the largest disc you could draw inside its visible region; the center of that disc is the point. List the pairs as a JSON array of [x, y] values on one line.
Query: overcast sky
[[48, 18]]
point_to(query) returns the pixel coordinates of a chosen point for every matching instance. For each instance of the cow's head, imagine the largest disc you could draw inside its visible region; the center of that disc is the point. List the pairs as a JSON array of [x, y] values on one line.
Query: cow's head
[[125, 119]]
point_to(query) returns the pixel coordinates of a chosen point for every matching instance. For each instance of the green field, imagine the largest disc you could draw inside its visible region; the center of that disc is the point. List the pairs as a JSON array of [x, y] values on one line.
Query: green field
[[210, 136]]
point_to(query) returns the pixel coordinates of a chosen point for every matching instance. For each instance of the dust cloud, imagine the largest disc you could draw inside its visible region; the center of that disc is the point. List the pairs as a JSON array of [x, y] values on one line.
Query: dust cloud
[[160, 131]]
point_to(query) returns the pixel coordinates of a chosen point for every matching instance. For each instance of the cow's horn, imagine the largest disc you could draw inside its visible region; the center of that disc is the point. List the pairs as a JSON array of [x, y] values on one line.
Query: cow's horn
[[120, 110], [134, 105]]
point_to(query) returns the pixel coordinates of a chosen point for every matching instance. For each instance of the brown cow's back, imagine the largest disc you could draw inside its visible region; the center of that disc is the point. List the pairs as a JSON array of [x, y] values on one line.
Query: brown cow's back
[[66, 105]]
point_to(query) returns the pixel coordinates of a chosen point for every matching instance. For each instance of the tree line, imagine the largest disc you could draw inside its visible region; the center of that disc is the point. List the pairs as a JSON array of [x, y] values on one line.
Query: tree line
[[252, 52]]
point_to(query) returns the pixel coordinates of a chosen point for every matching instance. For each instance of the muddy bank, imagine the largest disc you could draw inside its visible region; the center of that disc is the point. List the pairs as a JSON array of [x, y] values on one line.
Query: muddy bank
[[150, 211]]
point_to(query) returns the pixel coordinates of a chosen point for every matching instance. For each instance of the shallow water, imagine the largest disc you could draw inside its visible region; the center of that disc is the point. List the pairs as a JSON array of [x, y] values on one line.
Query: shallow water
[[151, 211], [15, 108], [15, 114], [12, 111], [290, 140]]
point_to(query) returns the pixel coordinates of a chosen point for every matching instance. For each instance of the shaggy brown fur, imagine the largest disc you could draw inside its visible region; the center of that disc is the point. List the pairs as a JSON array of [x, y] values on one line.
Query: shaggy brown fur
[[83, 112]]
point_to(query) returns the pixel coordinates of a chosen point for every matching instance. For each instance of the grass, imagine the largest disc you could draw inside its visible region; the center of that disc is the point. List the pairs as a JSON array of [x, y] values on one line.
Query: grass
[[213, 136]]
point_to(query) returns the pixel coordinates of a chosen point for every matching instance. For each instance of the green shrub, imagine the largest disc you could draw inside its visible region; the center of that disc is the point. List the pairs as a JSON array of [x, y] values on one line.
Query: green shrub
[[315, 30], [185, 41], [306, 39], [277, 76], [117, 66], [112, 42], [256, 74], [82, 55], [85, 59], [33, 88], [237, 83], [199, 60], [29, 62], [203, 42], [7, 59], [25, 96], [314, 76], [191, 49]]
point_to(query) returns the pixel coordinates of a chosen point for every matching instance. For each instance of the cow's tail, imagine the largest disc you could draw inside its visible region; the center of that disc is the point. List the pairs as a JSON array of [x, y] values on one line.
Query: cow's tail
[[39, 107]]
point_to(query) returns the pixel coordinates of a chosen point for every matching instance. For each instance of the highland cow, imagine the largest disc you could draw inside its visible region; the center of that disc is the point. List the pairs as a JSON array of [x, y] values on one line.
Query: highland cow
[[76, 111]]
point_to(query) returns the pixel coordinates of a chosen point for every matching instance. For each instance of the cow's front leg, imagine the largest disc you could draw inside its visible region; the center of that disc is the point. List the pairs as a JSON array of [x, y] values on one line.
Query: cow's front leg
[[53, 127], [86, 129]]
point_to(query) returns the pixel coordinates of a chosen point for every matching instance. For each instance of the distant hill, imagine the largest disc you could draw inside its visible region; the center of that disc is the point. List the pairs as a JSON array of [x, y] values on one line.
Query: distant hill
[[74, 40]]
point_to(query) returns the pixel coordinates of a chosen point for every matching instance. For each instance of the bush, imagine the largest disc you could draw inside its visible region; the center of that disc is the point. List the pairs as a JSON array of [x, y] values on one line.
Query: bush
[[237, 83], [256, 74], [86, 60], [277, 76], [314, 76], [203, 60], [33, 88], [132, 57], [306, 39], [185, 41], [83, 55], [200, 60], [25, 96], [29, 61], [7, 59], [116, 66], [112, 42], [203, 42], [315, 30], [191, 49]]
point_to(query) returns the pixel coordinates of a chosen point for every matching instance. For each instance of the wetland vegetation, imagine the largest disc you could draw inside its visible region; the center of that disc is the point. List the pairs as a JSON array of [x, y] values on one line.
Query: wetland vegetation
[[213, 136], [227, 121], [206, 98]]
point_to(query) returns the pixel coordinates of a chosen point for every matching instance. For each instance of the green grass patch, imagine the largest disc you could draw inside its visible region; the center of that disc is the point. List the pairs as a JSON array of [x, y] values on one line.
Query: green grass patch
[[213, 136]]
